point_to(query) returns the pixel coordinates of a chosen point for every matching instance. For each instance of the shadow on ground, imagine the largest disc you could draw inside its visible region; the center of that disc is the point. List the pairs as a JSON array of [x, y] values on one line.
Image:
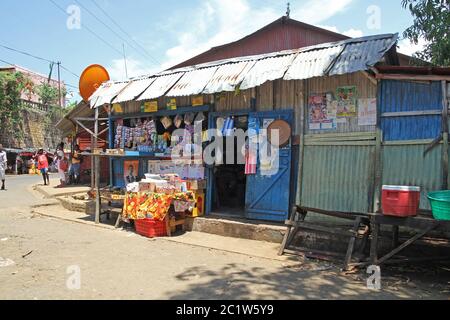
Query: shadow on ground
[[306, 281]]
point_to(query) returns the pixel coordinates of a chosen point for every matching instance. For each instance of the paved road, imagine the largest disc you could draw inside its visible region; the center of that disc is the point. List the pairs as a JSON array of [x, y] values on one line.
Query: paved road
[[18, 191]]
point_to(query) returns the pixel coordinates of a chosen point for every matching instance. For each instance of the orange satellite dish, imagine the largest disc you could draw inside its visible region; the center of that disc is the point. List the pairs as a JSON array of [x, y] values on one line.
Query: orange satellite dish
[[91, 79]]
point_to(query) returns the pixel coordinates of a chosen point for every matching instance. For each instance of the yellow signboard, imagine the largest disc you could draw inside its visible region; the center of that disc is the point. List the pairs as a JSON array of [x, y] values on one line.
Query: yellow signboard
[[172, 104], [117, 108], [151, 106], [198, 101]]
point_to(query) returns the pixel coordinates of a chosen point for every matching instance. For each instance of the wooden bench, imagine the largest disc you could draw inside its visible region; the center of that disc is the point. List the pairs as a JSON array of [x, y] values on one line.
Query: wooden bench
[[360, 230]]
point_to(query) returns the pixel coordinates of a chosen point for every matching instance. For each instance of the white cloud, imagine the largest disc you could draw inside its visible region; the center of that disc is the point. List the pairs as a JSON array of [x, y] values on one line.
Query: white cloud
[[230, 20], [409, 48], [352, 33], [135, 68], [218, 22], [317, 11]]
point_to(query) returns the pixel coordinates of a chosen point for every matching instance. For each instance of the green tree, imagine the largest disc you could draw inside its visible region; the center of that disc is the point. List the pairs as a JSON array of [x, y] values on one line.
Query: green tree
[[11, 86], [431, 23], [47, 94]]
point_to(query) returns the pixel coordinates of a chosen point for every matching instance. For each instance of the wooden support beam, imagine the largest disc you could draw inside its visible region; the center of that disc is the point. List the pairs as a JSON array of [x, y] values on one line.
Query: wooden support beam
[[445, 136], [406, 244], [351, 244]]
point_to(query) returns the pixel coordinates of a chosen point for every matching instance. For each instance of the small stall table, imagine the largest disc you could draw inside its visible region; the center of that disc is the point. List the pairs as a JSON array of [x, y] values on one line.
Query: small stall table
[[365, 226], [423, 223]]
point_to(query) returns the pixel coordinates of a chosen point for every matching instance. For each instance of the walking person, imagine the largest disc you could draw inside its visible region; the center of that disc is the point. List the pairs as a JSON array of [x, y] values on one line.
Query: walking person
[[43, 166], [75, 167], [3, 166], [61, 164]]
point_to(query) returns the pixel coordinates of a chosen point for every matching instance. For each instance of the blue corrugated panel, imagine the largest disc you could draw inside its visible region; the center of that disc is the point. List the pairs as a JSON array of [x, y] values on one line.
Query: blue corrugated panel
[[405, 96], [118, 173], [411, 128]]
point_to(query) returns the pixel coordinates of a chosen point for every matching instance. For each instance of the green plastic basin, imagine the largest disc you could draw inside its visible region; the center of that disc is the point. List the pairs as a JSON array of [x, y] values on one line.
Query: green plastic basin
[[440, 204]]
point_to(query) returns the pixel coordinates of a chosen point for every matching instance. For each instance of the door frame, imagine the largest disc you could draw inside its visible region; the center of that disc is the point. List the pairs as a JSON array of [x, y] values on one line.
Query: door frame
[[212, 116]]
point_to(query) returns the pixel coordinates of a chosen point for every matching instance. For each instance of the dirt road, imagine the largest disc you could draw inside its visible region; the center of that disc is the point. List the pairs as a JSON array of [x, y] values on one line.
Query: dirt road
[[48, 253]]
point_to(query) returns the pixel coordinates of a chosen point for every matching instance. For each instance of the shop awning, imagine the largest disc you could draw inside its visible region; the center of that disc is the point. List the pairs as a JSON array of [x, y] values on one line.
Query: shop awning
[[192, 82], [228, 76], [328, 59], [133, 90], [106, 93], [268, 69], [160, 86], [314, 63]]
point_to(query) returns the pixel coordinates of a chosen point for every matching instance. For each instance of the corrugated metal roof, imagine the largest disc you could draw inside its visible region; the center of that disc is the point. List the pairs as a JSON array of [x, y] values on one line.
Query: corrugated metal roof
[[160, 86], [361, 55], [228, 76], [267, 70], [106, 93], [192, 83], [335, 58], [313, 63], [133, 90]]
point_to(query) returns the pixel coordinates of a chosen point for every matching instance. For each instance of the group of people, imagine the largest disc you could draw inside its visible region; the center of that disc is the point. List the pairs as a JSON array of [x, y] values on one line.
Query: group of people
[[43, 165]]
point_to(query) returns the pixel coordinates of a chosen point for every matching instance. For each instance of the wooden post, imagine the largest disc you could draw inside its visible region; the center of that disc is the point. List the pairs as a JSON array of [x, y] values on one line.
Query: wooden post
[[378, 156], [375, 227], [97, 172], [445, 133]]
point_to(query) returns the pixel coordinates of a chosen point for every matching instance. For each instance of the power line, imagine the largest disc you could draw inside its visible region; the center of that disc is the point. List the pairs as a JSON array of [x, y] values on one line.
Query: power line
[[89, 30], [38, 58], [114, 32], [26, 53], [68, 70], [124, 32], [8, 63]]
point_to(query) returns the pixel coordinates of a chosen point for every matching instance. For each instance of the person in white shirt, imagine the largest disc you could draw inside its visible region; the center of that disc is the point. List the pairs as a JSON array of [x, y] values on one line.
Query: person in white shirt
[[3, 165]]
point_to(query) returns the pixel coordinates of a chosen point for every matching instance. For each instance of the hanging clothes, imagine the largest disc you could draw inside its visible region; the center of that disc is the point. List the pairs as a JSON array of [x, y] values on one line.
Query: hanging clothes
[[251, 159], [228, 128]]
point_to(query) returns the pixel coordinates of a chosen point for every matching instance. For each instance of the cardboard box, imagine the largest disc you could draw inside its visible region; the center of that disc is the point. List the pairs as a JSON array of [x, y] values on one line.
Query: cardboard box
[[197, 185], [146, 187]]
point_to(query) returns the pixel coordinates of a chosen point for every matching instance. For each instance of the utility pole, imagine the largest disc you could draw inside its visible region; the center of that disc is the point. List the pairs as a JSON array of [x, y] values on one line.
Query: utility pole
[[125, 61], [59, 85]]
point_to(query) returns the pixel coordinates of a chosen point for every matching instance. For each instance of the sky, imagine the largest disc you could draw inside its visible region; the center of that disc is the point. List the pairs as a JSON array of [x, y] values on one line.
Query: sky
[[156, 35]]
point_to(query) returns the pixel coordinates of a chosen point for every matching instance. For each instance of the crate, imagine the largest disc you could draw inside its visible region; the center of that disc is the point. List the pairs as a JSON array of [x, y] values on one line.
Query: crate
[[151, 228]]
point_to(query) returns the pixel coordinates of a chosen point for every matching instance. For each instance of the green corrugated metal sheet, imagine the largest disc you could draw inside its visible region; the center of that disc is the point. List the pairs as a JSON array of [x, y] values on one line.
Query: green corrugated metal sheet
[[338, 177], [405, 165]]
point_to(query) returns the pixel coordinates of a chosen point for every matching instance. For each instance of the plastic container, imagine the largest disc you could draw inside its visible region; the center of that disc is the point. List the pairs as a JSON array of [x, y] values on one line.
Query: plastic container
[[400, 201], [440, 204], [151, 228]]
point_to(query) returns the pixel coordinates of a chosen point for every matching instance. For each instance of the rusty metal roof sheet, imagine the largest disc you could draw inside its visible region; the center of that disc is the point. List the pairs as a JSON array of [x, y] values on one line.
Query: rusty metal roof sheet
[[133, 90], [326, 59], [160, 86], [228, 76], [192, 82], [106, 93]]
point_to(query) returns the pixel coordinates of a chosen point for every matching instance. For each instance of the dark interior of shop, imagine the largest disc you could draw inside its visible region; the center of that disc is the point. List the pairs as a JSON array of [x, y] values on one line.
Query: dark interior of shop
[[230, 180]]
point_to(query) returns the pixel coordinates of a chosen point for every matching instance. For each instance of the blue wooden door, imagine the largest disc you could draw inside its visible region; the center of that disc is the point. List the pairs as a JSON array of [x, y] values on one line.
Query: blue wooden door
[[268, 196]]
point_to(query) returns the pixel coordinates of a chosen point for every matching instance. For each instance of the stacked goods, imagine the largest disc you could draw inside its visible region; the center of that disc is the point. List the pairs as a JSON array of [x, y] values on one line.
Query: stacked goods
[[155, 206]]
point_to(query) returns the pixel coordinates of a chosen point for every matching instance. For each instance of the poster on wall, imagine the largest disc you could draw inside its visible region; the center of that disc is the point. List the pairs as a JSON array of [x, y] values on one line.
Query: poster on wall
[[367, 112], [322, 112], [131, 171], [346, 99]]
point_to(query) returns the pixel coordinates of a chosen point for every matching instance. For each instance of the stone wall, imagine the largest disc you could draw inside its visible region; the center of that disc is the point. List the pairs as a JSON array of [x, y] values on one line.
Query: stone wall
[[39, 131]]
